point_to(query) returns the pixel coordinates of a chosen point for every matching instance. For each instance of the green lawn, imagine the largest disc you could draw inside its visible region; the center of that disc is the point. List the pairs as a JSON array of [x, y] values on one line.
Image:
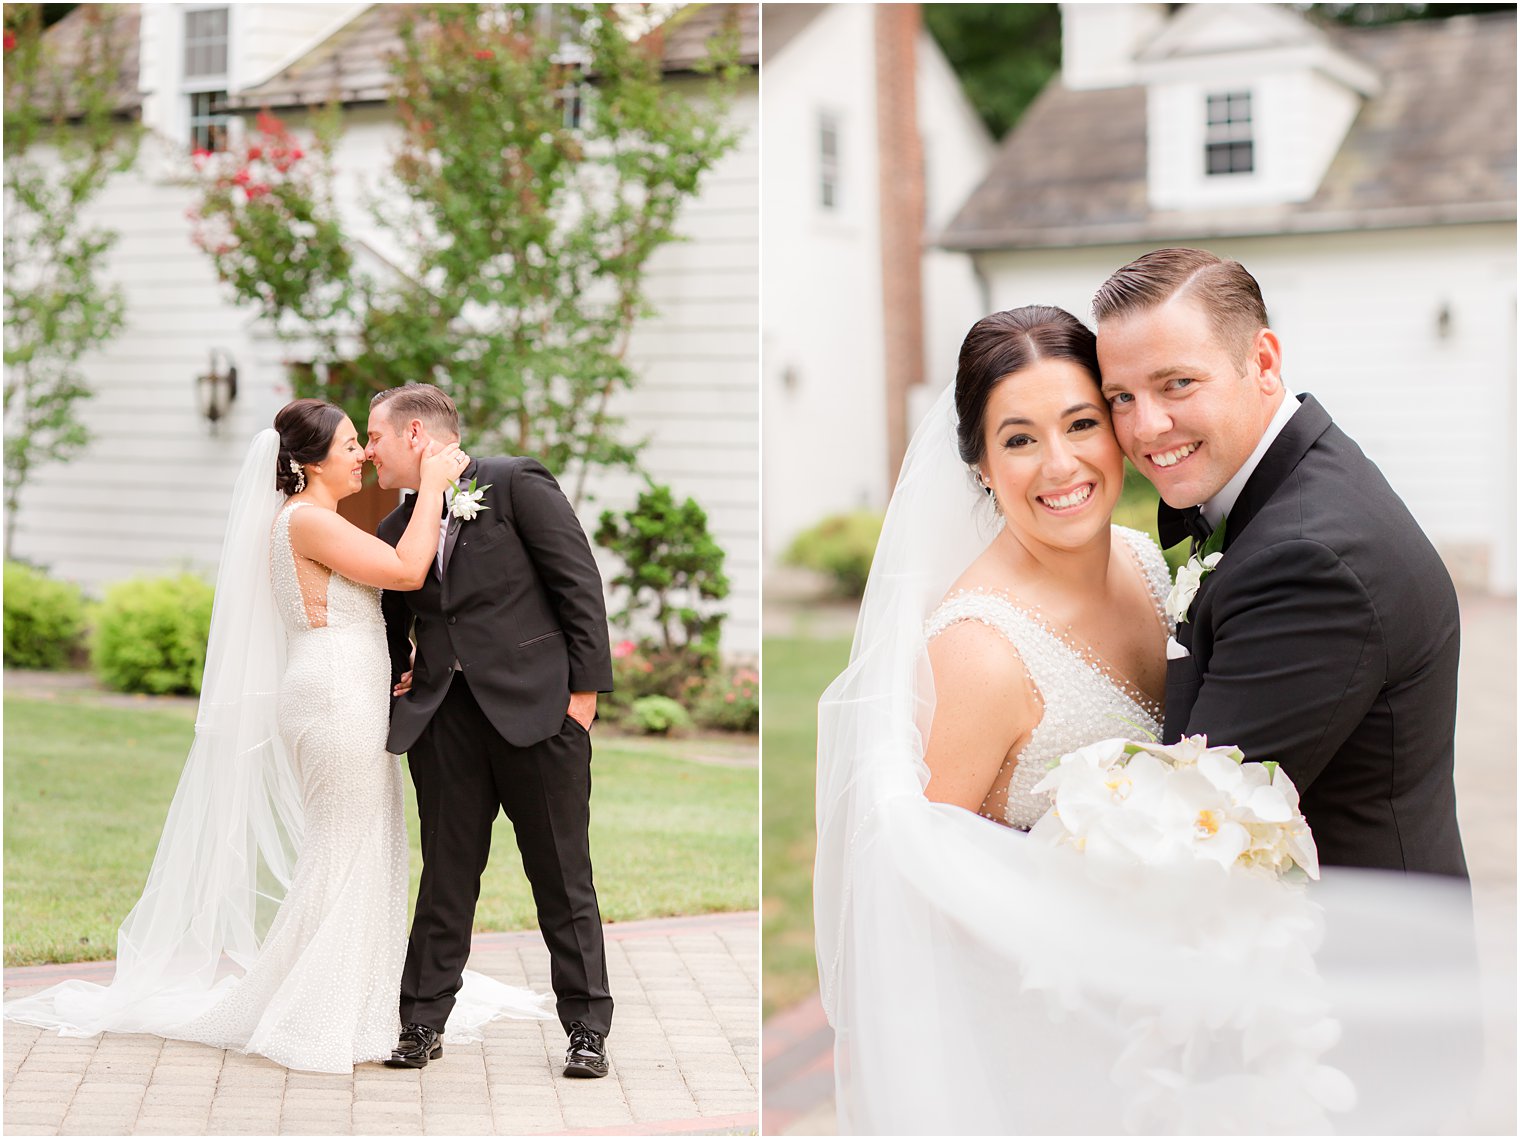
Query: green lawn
[[87, 787], [797, 670]]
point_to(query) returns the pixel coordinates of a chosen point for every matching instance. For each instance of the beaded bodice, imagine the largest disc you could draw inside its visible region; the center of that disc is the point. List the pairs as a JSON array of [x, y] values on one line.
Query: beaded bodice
[[311, 596], [1083, 699]]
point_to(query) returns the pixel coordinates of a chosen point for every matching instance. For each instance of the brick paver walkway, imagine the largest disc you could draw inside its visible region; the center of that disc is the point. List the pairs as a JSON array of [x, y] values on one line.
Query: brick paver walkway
[[684, 1050], [799, 1044]]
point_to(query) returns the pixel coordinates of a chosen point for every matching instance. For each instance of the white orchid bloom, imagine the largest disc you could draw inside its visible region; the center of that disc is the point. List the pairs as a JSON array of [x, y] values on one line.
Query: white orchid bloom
[[1190, 576]]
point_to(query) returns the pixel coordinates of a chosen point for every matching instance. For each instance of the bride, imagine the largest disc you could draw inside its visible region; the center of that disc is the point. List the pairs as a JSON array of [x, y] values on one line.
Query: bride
[[981, 981], [274, 916]]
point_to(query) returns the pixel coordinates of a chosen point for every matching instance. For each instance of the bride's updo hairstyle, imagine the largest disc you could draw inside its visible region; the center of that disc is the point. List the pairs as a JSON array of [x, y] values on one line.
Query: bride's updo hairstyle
[[306, 428], [1007, 342]]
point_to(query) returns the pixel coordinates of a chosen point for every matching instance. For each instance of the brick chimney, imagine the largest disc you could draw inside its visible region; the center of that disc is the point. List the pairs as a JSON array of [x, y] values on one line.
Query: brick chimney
[[901, 165]]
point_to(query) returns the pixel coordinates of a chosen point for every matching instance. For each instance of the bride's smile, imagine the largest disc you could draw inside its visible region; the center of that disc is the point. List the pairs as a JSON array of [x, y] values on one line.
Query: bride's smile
[[1050, 456]]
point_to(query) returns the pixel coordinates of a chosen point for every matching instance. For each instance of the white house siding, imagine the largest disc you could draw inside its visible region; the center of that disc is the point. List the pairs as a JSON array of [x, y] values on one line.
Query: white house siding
[[823, 381], [824, 394], [1357, 314], [150, 495], [699, 361]]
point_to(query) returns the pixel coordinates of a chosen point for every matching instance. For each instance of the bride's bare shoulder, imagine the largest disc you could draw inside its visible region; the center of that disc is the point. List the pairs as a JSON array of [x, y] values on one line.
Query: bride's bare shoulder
[[986, 576]]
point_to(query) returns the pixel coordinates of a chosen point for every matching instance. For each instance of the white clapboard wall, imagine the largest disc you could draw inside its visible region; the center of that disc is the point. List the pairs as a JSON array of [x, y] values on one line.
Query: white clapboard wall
[[150, 493]]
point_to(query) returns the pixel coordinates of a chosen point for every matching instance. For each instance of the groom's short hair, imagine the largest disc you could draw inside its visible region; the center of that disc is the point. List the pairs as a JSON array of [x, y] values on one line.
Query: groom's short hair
[[419, 401], [1228, 294]]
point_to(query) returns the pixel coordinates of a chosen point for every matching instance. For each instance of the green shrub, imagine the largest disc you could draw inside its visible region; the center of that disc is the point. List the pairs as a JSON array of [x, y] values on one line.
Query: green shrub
[[731, 701], [840, 547], [44, 619], [673, 571], [657, 716], [151, 635]]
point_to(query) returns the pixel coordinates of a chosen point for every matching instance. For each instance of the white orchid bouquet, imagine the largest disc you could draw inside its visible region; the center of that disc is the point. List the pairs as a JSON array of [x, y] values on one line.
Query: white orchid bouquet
[[1154, 804]]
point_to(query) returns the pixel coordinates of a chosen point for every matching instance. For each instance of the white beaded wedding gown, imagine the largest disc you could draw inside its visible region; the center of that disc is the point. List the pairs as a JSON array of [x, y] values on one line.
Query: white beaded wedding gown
[[1083, 699], [322, 994], [273, 920]]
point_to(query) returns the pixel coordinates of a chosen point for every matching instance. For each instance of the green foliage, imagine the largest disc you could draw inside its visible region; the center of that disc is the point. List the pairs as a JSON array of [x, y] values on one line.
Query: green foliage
[[151, 635], [63, 144], [841, 547], [730, 701], [657, 716], [672, 572], [1004, 54], [44, 619], [526, 235]]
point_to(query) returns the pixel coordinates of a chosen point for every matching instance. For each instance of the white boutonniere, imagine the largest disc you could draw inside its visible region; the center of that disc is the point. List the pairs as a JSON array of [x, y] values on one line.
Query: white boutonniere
[[1190, 575], [464, 503]]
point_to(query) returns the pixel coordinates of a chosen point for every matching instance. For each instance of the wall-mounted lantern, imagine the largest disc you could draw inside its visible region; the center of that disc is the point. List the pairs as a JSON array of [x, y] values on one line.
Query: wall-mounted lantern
[[216, 388]]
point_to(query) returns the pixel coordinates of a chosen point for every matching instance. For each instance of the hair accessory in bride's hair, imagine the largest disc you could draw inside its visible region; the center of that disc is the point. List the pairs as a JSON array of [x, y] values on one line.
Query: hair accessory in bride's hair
[[295, 469]]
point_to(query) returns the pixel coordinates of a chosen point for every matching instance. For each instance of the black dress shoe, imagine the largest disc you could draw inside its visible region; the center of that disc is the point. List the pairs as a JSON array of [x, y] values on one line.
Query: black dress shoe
[[417, 1046], [586, 1058]]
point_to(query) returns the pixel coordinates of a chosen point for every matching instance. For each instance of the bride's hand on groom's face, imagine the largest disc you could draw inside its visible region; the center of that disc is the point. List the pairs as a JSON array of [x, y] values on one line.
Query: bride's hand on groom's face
[[442, 463]]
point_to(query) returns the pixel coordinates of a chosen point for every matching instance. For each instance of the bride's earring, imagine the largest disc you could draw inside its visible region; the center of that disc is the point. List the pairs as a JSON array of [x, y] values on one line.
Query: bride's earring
[[982, 482]]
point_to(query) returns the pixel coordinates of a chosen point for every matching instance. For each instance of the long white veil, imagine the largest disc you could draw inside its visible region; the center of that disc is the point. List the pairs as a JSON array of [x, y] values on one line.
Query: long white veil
[[228, 850], [228, 847], [978, 982]]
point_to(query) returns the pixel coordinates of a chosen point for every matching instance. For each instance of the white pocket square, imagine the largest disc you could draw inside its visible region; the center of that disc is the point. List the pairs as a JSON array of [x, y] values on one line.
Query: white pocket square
[[1174, 649]]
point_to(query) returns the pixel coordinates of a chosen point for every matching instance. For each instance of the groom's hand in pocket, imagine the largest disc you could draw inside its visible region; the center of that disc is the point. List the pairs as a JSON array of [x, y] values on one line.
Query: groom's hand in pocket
[[582, 708]]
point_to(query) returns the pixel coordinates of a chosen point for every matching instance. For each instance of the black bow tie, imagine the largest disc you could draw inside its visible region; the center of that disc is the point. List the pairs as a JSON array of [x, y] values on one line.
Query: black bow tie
[[1174, 525]]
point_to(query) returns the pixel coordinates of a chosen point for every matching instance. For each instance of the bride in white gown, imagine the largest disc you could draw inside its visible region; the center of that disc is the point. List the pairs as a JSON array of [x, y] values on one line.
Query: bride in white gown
[[979, 981], [274, 917]]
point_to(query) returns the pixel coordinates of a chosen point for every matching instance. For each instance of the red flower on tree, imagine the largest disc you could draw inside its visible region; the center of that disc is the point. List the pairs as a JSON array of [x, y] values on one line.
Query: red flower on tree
[[255, 152], [10, 41], [242, 177], [257, 190], [485, 53]]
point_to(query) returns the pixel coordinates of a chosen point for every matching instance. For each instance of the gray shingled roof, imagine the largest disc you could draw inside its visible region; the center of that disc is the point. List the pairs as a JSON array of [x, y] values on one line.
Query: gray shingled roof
[[352, 64], [65, 41], [1438, 145]]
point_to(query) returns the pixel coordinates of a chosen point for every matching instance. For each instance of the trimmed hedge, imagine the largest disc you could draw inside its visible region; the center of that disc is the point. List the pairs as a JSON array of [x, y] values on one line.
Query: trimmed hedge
[[44, 619], [151, 635]]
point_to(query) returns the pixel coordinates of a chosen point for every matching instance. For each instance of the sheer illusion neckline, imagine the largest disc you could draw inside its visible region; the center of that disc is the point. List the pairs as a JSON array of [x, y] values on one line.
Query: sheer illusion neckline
[[1080, 650]]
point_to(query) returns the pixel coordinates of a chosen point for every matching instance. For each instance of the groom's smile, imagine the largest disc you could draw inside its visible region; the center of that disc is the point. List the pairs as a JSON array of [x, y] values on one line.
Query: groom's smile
[[1187, 408]]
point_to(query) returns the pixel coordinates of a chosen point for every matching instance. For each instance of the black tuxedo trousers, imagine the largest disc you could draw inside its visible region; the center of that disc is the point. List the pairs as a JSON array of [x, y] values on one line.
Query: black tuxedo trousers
[[512, 626], [464, 771]]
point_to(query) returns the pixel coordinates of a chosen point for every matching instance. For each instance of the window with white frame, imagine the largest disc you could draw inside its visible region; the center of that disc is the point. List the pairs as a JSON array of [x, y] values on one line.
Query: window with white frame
[[1229, 143], [204, 76], [828, 161]]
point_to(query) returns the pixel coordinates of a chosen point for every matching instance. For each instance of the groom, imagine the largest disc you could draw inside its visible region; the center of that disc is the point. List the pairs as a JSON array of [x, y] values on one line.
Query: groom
[[494, 713], [1326, 637]]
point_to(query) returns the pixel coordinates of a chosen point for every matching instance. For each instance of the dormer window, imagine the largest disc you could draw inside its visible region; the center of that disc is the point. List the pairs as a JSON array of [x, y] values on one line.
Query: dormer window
[[203, 78], [1229, 147]]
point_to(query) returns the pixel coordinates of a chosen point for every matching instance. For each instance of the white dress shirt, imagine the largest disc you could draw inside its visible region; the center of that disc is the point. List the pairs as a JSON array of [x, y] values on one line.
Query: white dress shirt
[[1216, 508]]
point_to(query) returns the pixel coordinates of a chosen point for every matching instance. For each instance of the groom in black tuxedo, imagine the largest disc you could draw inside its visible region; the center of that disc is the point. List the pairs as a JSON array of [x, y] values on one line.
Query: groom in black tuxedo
[[494, 712], [1327, 636]]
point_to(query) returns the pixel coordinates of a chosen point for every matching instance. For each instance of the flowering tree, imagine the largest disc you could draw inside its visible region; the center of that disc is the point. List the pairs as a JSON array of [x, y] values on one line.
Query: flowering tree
[[542, 161], [63, 143]]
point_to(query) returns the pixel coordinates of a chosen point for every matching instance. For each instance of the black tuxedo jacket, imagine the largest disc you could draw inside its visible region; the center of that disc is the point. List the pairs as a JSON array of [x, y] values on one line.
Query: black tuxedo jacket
[[518, 609], [1327, 640]]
